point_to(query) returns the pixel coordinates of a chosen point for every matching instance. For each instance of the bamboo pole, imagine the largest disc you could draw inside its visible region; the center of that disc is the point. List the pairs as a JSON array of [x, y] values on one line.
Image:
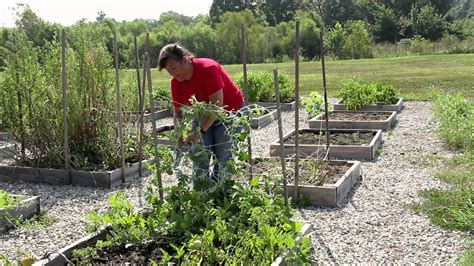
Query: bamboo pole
[[297, 110], [137, 67], [280, 135], [152, 113], [246, 100], [65, 106], [325, 94], [140, 110], [119, 108]]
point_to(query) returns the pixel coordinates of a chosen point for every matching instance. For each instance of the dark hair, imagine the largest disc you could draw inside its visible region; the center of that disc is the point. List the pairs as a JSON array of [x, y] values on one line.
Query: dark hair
[[172, 51]]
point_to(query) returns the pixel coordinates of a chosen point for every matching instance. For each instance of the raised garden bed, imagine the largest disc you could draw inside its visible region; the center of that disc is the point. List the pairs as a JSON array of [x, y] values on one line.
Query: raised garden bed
[[147, 117], [355, 120], [162, 132], [24, 209], [345, 144], [321, 183], [259, 115], [63, 256], [374, 107], [4, 136], [106, 179], [291, 106], [7, 149]]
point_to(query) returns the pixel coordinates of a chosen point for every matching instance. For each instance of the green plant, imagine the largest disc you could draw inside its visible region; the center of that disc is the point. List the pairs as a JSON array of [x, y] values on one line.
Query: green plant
[[6, 200], [313, 104], [355, 94], [39, 221], [261, 86], [221, 223], [455, 116], [84, 256]]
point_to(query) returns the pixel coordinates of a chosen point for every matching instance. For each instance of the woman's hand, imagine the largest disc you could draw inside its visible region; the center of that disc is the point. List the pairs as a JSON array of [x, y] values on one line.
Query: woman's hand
[[192, 138]]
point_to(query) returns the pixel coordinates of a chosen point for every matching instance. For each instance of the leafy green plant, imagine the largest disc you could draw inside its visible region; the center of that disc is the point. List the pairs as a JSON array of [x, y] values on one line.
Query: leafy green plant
[[214, 223], [355, 94], [313, 104], [261, 86], [6, 200], [85, 255]]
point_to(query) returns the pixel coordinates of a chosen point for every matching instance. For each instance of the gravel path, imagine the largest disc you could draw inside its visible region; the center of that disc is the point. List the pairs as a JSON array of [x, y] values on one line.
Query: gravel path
[[373, 224]]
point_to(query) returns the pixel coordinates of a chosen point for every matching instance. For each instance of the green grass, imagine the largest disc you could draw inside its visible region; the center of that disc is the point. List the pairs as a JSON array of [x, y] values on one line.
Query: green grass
[[453, 208], [414, 76]]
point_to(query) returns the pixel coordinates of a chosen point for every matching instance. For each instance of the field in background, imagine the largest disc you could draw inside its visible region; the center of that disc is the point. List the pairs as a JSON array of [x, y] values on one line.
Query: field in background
[[413, 75]]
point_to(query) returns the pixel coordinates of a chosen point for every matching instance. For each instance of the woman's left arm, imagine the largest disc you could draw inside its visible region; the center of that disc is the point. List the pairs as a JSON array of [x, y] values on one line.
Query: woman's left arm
[[216, 98]]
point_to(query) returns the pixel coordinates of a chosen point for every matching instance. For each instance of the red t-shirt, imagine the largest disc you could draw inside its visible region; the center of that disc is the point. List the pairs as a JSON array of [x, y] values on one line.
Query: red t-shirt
[[208, 77]]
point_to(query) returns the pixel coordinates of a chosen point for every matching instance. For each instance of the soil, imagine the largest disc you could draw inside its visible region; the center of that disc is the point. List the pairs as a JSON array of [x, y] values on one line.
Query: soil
[[338, 138], [312, 172], [133, 254], [358, 116]]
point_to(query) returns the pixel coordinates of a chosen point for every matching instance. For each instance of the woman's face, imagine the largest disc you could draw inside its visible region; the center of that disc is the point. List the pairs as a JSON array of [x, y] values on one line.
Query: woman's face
[[180, 70]]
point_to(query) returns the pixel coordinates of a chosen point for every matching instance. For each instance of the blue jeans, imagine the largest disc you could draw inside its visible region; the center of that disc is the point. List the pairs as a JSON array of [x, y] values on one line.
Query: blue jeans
[[216, 144]]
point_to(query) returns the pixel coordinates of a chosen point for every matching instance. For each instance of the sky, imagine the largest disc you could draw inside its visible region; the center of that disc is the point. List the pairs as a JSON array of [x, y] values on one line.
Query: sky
[[67, 12]]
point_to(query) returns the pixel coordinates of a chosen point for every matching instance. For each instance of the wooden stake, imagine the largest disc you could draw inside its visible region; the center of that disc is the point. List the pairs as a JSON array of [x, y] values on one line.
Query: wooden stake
[[297, 111], [119, 108], [280, 135], [246, 100], [137, 67], [325, 94], [140, 110], [152, 112], [65, 106]]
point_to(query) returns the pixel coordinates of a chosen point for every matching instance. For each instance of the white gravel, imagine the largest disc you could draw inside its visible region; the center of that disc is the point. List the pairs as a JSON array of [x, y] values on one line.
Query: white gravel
[[373, 224]]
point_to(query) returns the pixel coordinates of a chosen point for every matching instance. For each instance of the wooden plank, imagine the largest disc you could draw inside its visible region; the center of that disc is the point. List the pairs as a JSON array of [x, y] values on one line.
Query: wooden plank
[[373, 107], [28, 207], [319, 123]]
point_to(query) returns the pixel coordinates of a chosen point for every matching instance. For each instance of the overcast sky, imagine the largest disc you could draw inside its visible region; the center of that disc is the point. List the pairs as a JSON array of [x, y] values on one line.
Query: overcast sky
[[67, 12]]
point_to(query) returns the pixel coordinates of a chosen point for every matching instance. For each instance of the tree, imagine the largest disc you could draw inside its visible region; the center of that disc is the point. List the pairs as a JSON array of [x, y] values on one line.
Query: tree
[[385, 27], [427, 23], [220, 7], [277, 11], [228, 35]]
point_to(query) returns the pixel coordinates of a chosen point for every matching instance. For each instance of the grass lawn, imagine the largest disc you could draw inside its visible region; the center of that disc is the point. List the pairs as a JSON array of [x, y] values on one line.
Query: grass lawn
[[412, 75]]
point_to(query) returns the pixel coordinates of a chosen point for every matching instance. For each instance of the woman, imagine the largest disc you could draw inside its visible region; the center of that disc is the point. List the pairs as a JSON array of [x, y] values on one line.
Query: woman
[[208, 81]]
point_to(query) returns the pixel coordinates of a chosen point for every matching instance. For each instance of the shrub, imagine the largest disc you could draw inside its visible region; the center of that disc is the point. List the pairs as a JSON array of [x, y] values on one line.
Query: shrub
[[355, 94], [261, 87]]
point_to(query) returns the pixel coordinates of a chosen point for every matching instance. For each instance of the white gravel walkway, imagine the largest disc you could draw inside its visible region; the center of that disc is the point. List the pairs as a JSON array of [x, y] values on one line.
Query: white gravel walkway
[[373, 224]]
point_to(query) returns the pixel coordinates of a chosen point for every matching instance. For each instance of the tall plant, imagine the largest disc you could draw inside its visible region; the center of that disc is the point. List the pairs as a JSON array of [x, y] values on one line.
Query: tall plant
[[33, 107]]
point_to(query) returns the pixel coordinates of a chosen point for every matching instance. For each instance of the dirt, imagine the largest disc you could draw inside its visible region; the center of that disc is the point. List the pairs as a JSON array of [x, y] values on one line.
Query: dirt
[[339, 138], [358, 116], [312, 172], [133, 254]]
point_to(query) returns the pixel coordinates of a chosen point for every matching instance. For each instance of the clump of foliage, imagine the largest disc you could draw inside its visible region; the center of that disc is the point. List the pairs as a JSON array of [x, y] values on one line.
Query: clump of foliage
[[355, 94], [313, 104], [261, 86], [219, 222], [32, 101], [6, 200], [455, 116]]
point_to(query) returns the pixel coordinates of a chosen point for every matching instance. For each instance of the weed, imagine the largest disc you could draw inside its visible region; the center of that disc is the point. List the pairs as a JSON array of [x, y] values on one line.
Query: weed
[[36, 222]]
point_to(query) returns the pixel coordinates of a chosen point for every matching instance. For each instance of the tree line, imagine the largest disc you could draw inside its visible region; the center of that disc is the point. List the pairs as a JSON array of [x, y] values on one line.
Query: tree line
[[350, 28]]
